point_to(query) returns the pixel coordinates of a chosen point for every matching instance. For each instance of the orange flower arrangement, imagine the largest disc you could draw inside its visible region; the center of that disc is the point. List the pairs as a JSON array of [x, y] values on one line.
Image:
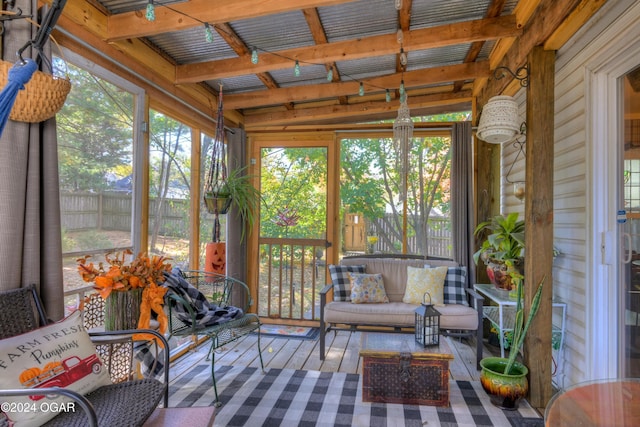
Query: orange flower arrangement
[[118, 276], [141, 272]]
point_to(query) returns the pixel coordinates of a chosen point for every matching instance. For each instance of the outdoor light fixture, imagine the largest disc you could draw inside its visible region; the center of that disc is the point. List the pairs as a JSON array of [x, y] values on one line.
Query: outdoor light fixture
[[208, 32], [427, 323], [151, 11], [518, 186], [499, 120]]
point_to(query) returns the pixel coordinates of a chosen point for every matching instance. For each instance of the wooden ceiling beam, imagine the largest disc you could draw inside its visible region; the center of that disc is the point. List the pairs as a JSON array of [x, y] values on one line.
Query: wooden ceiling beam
[[319, 35], [239, 47], [412, 79], [546, 20], [427, 38], [494, 9], [180, 16], [327, 113]]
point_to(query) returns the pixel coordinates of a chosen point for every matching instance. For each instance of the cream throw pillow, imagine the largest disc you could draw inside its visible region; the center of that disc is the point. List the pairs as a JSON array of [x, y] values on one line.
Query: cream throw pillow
[[421, 280], [56, 355]]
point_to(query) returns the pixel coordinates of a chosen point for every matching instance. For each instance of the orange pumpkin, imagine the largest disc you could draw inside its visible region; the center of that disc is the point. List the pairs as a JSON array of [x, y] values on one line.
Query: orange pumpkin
[[50, 366], [216, 258], [29, 374]]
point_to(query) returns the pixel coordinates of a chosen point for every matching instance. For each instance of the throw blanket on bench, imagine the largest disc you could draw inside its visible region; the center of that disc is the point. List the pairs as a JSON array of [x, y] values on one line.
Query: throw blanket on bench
[[207, 313]]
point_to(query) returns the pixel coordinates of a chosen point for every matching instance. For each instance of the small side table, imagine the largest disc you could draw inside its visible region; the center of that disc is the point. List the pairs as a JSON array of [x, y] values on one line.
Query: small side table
[[612, 403]]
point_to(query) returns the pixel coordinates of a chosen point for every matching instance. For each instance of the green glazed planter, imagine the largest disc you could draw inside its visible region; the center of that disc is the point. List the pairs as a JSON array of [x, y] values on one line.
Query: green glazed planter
[[506, 391]]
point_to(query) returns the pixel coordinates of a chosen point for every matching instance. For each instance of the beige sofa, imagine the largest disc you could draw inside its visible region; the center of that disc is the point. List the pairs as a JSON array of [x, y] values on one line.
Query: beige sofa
[[455, 320]]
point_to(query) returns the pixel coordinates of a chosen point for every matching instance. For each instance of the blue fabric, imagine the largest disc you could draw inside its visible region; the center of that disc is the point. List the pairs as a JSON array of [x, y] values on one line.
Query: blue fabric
[[19, 75]]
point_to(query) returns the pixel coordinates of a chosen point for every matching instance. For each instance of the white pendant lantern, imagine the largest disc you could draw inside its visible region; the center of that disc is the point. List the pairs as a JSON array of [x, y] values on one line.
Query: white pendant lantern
[[499, 120]]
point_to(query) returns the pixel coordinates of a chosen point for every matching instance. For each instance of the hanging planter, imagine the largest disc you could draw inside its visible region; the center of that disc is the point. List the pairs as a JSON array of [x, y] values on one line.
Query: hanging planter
[[223, 190], [217, 202]]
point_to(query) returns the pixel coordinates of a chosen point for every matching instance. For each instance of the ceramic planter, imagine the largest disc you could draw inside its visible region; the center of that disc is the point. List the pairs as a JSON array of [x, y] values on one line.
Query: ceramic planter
[[498, 273], [506, 391]]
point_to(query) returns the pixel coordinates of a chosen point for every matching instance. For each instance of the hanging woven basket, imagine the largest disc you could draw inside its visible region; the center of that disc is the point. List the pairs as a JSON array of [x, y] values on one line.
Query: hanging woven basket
[[43, 96]]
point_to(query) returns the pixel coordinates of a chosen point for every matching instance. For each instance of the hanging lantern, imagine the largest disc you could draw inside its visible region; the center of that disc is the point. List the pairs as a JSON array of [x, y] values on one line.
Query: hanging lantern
[[499, 120], [427, 320]]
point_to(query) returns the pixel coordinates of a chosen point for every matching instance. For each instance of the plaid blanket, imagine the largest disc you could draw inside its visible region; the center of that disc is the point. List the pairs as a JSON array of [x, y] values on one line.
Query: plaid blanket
[[207, 313], [150, 357]]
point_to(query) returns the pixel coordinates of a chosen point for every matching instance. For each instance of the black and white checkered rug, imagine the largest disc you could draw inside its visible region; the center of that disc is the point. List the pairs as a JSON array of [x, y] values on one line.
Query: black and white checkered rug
[[287, 397]]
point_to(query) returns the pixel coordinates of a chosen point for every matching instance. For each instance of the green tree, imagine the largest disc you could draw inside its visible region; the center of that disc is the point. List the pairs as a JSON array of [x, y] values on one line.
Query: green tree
[[371, 182], [293, 183], [95, 133], [170, 154]]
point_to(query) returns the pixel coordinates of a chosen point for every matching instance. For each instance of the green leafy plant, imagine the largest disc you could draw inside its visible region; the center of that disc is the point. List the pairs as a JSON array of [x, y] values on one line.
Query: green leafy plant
[[505, 238], [520, 328], [244, 196]]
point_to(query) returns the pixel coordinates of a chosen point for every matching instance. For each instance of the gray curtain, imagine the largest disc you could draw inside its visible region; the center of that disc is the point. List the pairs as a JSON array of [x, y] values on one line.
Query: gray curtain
[[462, 197], [30, 240]]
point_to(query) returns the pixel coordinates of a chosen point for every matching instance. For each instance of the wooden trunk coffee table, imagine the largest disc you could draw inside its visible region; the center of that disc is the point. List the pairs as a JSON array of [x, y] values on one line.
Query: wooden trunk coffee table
[[396, 369]]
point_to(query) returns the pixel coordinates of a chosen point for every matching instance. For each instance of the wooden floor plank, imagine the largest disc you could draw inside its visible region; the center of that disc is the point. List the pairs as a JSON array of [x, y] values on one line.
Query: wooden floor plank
[[343, 350], [285, 350], [334, 356], [351, 357], [308, 350]]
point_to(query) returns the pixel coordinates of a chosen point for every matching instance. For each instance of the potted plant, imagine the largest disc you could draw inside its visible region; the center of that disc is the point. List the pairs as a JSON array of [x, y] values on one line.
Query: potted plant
[[505, 380], [235, 190], [502, 248]]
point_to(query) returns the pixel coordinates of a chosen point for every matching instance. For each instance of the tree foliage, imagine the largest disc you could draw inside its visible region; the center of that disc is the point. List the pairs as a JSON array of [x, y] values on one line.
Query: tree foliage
[[293, 187], [95, 134], [371, 182]]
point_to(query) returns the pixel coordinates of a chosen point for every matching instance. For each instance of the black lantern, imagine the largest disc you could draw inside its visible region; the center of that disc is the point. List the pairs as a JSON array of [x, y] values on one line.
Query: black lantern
[[427, 323]]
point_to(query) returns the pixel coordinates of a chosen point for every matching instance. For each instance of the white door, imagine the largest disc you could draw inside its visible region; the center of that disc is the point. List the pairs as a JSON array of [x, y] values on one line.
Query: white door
[[629, 233]]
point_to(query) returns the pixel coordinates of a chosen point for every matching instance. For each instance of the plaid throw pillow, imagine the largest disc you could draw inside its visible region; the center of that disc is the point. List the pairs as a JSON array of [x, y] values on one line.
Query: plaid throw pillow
[[340, 280], [454, 283]]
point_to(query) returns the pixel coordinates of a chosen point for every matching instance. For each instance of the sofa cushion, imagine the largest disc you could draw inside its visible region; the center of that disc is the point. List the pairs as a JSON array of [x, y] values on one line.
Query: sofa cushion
[[425, 280], [454, 284], [456, 316], [391, 314], [367, 288], [340, 280]]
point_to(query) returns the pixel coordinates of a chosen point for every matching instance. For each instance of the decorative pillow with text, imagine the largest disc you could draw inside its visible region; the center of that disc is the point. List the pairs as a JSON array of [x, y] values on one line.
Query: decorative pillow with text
[[56, 355]]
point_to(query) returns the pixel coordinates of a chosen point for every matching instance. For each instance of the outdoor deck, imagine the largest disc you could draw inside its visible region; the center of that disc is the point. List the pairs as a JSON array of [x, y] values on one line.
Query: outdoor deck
[[302, 354], [342, 355]]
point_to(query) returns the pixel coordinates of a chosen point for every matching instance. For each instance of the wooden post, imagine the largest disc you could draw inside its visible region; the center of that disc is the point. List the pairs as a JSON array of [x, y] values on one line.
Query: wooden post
[[539, 221], [486, 183]]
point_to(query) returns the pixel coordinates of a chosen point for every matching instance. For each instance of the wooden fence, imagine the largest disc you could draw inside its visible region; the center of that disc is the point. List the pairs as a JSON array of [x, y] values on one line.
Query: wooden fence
[[112, 211], [439, 239]]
